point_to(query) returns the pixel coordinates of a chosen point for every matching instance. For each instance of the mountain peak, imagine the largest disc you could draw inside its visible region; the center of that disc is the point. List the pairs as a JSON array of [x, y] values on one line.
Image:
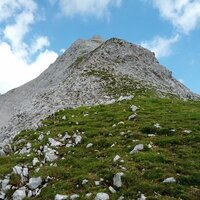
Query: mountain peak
[[97, 38], [90, 72]]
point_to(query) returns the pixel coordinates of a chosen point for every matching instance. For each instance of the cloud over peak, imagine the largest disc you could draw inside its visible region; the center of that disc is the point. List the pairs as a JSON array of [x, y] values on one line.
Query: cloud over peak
[[183, 14]]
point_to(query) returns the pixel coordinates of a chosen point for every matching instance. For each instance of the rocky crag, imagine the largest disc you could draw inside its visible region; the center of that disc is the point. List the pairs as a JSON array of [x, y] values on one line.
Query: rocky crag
[[89, 72]]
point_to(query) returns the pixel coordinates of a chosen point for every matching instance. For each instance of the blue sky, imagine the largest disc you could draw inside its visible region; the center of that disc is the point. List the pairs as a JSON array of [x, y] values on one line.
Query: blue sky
[[34, 32]]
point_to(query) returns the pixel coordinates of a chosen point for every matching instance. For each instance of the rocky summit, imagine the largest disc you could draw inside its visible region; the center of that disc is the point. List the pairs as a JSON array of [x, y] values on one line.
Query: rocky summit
[[89, 72]]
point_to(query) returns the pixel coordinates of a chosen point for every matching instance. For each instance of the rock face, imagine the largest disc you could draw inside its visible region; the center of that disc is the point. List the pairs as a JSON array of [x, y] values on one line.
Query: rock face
[[79, 77]]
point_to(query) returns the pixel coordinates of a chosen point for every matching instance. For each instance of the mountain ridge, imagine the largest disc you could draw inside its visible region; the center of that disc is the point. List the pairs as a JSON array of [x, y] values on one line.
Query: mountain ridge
[[80, 76]]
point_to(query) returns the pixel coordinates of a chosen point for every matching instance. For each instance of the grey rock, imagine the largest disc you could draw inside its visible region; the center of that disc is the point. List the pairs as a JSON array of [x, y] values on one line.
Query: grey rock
[[37, 169], [66, 137], [2, 153], [74, 197], [151, 135], [7, 148], [157, 125], [85, 181], [50, 155], [89, 145], [187, 131], [112, 190], [117, 181], [22, 172], [41, 137], [36, 192], [88, 195], [19, 194], [2, 195], [121, 123], [121, 198], [97, 183], [137, 148], [122, 98], [25, 171], [4, 184], [24, 150], [142, 197], [78, 139], [116, 158], [17, 170], [34, 183], [35, 161], [64, 117], [61, 197], [54, 143], [133, 108], [28, 145], [132, 117], [68, 145], [110, 102], [102, 196], [30, 194], [169, 180]]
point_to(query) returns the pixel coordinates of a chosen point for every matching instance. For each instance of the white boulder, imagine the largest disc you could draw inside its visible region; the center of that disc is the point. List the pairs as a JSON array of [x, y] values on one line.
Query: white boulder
[[117, 181], [50, 155], [102, 196], [116, 158], [41, 137], [133, 108], [89, 145], [61, 197], [121, 98], [169, 180], [137, 148], [74, 196], [54, 143], [142, 197], [34, 182], [19, 194], [112, 190], [132, 117], [35, 161]]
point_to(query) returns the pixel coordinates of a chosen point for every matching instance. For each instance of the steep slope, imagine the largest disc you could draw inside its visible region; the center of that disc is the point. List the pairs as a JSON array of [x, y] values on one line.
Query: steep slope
[[23, 107], [87, 150], [89, 72]]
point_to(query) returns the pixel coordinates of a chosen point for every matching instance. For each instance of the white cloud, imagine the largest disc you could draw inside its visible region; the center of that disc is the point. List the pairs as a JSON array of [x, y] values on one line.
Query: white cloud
[[8, 8], [15, 71], [15, 33], [16, 17], [183, 14], [161, 46], [40, 43], [97, 8]]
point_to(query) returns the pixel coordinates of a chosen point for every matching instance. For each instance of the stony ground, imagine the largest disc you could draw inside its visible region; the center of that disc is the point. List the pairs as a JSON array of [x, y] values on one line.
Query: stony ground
[[141, 147]]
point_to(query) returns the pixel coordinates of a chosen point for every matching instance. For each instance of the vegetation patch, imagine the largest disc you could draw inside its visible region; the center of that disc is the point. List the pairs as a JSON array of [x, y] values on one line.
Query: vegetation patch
[[168, 128]]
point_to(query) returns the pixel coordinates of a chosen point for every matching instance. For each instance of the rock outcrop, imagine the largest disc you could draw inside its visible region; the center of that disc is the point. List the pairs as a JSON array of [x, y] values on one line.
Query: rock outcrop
[[84, 75]]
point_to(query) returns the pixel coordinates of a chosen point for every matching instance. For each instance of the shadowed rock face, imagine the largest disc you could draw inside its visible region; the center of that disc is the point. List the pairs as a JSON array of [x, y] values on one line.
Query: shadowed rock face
[[72, 81]]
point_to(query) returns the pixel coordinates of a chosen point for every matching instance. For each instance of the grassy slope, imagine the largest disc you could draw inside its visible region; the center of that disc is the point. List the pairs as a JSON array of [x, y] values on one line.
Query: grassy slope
[[174, 154]]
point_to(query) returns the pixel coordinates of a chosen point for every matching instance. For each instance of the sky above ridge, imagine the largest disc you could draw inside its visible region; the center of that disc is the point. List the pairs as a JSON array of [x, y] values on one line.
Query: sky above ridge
[[33, 33]]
